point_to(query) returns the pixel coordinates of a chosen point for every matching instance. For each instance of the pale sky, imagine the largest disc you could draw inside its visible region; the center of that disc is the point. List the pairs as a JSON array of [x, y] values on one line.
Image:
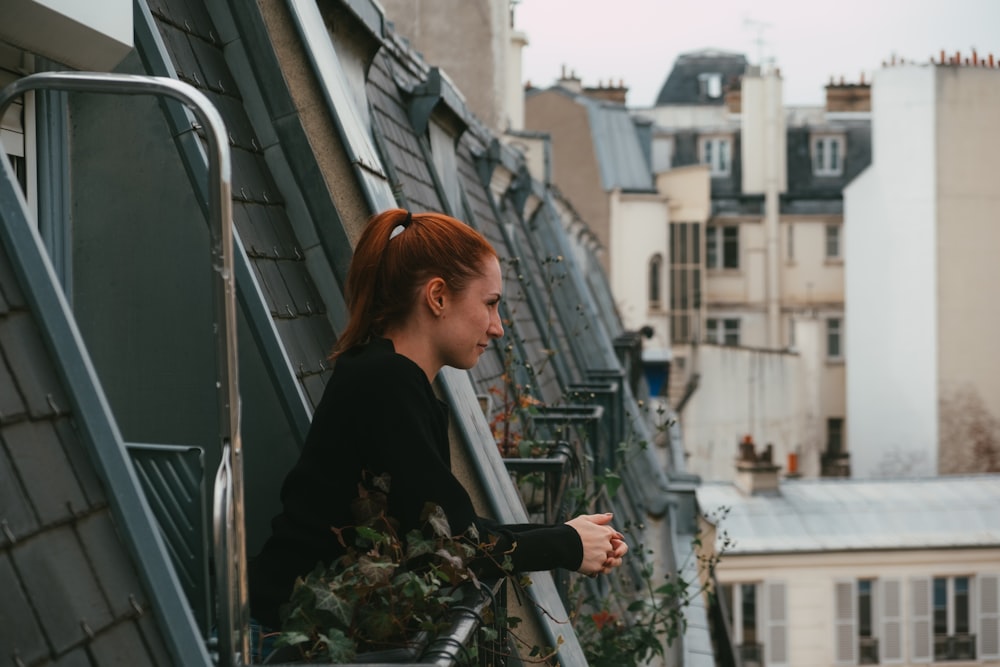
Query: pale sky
[[638, 40]]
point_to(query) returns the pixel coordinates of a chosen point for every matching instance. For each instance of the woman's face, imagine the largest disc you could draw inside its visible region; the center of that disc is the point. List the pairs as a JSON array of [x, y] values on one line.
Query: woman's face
[[470, 319]]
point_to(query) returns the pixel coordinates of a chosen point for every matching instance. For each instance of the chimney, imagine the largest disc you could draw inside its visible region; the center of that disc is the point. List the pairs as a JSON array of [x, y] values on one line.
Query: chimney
[[610, 93], [756, 473], [569, 81], [849, 96]]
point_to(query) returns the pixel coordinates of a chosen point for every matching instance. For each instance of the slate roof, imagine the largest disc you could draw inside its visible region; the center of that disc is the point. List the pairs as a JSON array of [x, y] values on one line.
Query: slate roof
[[858, 515], [273, 251], [72, 593], [682, 85]]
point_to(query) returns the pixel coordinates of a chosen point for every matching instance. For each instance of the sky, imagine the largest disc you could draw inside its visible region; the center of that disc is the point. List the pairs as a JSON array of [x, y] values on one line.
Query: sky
[[637, 41]]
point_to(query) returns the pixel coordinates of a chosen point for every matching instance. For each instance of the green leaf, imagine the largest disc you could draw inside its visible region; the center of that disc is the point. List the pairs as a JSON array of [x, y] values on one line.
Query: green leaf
[[327, 600]]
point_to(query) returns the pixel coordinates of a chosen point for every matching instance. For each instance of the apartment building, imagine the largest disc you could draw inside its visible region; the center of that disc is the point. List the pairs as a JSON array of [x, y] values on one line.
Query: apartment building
[[827, 572], [923, 393]]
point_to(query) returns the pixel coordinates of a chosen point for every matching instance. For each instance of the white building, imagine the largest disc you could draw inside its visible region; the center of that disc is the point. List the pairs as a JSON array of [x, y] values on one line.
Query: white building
[[923, 224], [844, 572]]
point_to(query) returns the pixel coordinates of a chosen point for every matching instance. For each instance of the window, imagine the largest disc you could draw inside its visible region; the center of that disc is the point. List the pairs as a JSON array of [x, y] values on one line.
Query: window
[[741, 600], [685, 280], [834, 343], [835, 436], [715, 152], [722, 247], [710, 85], [655, 281], [868, 621], [725, 331], [953, 638], [828, 155], [791, 332], [867, 643], [833, 241], [790, 243], [758, 619]]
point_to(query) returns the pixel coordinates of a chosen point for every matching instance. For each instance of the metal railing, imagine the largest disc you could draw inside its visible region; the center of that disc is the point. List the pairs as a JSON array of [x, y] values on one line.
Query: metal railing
[[233, 586]]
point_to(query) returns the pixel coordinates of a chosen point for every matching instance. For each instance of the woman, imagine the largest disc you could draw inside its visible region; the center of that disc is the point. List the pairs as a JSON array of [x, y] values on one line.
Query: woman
[[423, 292]]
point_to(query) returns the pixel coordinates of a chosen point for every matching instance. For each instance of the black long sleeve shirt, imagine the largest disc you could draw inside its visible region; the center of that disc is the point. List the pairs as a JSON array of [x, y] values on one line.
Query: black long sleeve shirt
[[379, 415]]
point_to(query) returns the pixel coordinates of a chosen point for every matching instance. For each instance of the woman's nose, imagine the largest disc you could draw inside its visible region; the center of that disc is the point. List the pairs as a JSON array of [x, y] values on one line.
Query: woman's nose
[[496, 327]]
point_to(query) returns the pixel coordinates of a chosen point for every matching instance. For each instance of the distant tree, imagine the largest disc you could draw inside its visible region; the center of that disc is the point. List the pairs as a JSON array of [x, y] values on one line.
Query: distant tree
[[969, 434]]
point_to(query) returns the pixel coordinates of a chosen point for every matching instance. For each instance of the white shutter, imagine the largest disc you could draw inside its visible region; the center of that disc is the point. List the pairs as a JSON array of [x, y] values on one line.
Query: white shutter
[[989, 617], [845, 622], [890, 619], [922, 629], [776, 629]]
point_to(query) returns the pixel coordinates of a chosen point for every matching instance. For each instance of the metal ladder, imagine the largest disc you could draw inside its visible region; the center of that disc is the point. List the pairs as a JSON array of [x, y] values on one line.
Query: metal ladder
[[229, 541]]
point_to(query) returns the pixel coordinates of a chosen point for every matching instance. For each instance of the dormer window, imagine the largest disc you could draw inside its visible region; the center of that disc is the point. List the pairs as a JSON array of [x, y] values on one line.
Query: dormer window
[[710, 85], [827, 154]]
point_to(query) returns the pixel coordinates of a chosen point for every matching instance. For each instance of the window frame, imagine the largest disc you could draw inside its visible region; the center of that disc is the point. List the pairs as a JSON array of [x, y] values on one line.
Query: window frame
[[718, 243], [835, 332], [833, 234], [820, 153], [654, 282], [709, 153], [723, 331]]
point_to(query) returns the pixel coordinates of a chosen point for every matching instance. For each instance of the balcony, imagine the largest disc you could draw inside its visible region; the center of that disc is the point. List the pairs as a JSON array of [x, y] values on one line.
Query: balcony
[[954, 647]]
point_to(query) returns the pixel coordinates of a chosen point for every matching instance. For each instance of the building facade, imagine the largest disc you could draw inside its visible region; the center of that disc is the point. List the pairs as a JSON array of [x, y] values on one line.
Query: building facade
[[818, 573], [924, 390]]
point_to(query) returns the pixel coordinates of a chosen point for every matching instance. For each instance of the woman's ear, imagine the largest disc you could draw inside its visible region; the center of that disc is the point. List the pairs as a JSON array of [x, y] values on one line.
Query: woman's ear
[[435, 295]]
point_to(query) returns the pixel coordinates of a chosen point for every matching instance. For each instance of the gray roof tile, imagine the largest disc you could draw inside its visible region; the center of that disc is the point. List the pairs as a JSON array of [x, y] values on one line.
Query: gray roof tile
[[38, 382], [16, 514], [11, 405], [77, 658], [300, 287], [91, 486], [119, 582], [13, 297], [61, 585], [214, 70], [44, 470], [122, 646], [20, 633]]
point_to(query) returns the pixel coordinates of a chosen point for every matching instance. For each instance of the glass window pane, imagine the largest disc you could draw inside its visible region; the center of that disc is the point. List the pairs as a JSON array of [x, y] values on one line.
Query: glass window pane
[[961, 605], [834, 155], [682, 243], [865, 607], [711, 247], [749, 607], [695, 243], [940, 606], [696, 288], [731, 247]]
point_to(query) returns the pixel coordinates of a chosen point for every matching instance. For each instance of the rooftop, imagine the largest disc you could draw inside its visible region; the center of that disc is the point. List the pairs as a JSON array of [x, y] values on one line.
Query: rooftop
[[859, 515]]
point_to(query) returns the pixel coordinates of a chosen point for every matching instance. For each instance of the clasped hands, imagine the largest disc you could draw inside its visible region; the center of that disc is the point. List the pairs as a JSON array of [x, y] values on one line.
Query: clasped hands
[[603, 546]]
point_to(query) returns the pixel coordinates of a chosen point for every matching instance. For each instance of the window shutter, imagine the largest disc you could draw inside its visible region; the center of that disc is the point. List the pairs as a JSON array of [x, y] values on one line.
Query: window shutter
[[989, 617], [890, 638], [776, 631], [921, 648], [845, 622]]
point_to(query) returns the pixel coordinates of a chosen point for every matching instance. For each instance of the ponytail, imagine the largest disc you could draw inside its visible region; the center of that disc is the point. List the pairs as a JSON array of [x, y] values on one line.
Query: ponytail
[[398, 252]]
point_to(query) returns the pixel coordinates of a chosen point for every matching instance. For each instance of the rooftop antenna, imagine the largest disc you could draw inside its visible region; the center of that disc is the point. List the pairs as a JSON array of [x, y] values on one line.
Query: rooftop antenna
[[760, 27]]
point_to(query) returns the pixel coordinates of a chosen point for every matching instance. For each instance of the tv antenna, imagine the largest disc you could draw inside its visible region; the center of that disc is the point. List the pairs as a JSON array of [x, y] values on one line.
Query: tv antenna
[[759, 27]]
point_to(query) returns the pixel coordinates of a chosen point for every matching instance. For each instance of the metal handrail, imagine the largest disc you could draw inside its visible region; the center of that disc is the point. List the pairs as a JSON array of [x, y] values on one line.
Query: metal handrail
[[223, 547], [221, 233]]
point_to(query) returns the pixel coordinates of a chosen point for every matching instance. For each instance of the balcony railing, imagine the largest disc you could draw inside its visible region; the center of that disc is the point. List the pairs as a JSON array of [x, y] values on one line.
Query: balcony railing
[[955, 647], [752, 655], [867, 650]]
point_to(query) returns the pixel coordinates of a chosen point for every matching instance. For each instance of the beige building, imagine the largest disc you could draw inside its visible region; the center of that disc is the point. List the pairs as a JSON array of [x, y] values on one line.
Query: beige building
[[818, 573], [756, 258], [924, 389]]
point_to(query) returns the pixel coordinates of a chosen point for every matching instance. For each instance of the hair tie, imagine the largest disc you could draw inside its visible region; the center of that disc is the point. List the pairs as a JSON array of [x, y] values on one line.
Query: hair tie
[[398, 229]]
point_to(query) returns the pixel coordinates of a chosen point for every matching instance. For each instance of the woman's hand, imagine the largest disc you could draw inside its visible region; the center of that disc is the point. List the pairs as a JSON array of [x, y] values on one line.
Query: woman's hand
[[603, 546]]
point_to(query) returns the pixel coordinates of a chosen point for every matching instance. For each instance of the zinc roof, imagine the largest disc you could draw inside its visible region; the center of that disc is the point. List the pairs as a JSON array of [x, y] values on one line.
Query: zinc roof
[[856, 515]]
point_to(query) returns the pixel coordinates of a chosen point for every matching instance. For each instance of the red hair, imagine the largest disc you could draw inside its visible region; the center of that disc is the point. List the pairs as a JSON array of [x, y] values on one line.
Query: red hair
[[390, 265]]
